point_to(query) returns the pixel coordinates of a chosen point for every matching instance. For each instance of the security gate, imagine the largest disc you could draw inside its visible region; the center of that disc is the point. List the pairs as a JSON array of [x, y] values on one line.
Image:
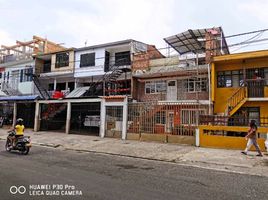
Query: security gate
[[114, 121]]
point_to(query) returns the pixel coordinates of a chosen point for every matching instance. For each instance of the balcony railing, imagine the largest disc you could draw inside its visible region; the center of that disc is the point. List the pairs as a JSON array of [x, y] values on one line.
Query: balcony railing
[[217, 120]]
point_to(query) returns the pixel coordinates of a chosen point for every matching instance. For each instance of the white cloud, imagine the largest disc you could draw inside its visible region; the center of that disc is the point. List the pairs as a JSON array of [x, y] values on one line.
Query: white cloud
[[5, 38], [148, 21], [257, 9]]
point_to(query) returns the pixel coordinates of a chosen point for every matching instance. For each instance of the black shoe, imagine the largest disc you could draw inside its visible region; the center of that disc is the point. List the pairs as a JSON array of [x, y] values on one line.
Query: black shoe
[[260, 155], [243, 152]]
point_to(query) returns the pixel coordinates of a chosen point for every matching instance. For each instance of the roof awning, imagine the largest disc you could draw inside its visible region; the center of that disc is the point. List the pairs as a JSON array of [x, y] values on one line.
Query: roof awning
[[78, 92], [20, 98], [193, 41]]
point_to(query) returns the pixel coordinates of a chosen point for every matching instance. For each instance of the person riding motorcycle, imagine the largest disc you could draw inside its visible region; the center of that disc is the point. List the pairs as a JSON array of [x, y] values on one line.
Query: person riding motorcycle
[[19, 130]]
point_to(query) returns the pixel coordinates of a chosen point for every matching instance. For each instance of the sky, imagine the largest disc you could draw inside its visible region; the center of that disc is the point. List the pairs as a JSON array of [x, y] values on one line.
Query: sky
[[76, 23]]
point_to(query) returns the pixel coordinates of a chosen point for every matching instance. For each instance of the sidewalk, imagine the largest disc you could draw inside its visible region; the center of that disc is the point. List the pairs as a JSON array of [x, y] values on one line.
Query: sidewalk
[[218, 159]]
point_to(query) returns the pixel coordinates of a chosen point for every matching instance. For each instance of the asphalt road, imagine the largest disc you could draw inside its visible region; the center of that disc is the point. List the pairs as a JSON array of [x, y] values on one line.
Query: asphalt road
[[98, 176]]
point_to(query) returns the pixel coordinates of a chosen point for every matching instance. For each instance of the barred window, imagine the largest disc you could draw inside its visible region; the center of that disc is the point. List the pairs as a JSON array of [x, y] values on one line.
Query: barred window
[[160, 117], [230, 78], [196, 85], [152, 87], [190, 116]]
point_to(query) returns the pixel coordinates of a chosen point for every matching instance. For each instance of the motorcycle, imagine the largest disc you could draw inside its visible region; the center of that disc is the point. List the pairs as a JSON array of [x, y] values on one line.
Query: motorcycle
[[23, 143]]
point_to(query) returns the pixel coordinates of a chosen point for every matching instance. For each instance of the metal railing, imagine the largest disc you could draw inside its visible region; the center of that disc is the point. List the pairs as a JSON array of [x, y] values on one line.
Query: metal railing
[[217, 120], [174, 119], [236, 98]]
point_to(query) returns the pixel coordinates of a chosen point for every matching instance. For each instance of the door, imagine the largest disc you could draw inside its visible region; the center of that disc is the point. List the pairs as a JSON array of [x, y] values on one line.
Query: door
[[254, 114], [114, 121], [255, 82], [170, 122], [172, 90]]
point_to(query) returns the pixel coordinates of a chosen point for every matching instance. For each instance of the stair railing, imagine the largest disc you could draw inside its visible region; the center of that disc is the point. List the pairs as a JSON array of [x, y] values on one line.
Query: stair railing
[[238, 96]]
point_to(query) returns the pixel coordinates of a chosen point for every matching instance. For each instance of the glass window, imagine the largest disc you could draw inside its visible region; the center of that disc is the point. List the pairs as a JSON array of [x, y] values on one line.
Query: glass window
[[155, 87], [197, 85], [62, 60], [122, 58], [230, 78], [160, 117], [87, 60]]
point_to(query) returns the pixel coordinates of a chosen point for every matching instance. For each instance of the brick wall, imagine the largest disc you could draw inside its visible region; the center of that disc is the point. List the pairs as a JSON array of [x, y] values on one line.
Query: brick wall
[[141, 60]]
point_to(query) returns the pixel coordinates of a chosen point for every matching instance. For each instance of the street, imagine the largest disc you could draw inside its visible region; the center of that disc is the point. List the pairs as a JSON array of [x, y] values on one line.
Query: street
[[98, 176]]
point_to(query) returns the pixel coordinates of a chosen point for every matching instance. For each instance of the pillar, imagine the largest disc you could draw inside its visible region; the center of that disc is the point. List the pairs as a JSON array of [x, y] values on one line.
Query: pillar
[[37, 117], [68, 118], [14, 114], [125, 113], [102, 118], [55, 84]]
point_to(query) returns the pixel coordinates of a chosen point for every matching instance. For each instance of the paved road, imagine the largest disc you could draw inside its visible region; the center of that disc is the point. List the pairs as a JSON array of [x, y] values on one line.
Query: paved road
[[99, 176]]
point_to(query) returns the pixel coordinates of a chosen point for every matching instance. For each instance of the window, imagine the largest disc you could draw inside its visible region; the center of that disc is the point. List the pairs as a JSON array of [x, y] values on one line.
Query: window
[[266, 75], [122, 58], [87, 60], [25, 74], [155, 87], [62, 60], [196, 85], [230, 78], [160, 117], [189, 117]]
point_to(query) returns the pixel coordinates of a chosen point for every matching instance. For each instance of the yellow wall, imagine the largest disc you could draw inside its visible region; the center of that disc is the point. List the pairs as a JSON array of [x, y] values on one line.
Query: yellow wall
[[67, 68], [227, 142], [265, 91], [221, 97]]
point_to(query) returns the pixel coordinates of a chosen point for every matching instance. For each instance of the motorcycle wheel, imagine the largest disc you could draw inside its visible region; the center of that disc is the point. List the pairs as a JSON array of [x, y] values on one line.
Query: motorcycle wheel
[[25, 150], [8, 146]]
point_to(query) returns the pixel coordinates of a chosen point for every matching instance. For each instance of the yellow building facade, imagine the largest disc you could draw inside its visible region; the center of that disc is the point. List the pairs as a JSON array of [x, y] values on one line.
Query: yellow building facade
[[239, 93]]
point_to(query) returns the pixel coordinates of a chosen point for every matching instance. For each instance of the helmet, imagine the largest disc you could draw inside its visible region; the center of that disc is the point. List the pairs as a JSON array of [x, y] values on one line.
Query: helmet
[[19, 120]]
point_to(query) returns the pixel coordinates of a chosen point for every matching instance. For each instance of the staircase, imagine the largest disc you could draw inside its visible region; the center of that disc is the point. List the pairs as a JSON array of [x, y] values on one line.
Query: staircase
[[43, 92], [108, 77], [237, 100], [54, 109], [53, 118]]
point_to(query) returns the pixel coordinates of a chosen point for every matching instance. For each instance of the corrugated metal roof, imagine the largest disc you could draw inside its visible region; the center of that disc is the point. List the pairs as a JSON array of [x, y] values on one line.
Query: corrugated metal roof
[[78, 92], [20, 98], [194, 40]]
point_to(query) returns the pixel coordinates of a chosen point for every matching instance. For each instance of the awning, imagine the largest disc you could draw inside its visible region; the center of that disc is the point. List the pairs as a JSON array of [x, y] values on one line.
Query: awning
[[20, 98], [194, 41], [78, 92]]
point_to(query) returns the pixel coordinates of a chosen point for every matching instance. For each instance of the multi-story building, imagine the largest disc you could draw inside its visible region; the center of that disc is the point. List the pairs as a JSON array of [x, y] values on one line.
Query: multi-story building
[[177, 87], [105, 69], [54, 71], [16, 82], [239, 94]]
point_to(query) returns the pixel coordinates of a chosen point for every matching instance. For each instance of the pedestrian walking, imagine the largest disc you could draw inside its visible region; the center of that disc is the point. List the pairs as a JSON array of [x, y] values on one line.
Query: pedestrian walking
[[252, 138]]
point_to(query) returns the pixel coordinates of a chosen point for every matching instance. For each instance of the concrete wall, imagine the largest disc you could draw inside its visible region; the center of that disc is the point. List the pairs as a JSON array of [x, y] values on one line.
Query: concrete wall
[[227, 142]]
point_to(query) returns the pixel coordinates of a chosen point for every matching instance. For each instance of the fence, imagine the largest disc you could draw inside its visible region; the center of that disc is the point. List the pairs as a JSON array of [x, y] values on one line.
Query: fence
[[177, 119], [217, 120]]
